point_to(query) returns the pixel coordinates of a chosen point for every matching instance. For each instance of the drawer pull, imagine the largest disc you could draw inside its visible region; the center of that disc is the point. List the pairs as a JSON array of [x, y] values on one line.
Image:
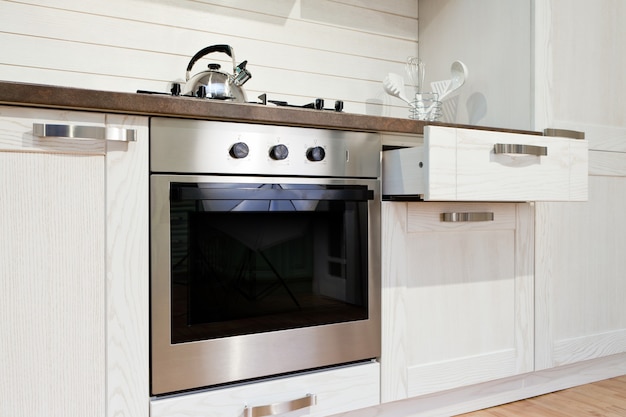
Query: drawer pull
[[279, 408], [564, 133], [467, 217], [44, 130], [520, 149]]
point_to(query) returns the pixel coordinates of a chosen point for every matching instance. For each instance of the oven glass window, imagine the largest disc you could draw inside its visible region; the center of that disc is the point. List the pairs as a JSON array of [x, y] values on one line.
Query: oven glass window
[[250, 258]]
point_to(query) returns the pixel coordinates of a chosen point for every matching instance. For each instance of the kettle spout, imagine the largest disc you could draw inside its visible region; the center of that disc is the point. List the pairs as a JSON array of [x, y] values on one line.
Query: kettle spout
[[241, 74]]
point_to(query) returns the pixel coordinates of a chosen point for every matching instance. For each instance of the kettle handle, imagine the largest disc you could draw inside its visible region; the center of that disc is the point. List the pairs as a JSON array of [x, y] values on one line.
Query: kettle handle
[[213, 48]]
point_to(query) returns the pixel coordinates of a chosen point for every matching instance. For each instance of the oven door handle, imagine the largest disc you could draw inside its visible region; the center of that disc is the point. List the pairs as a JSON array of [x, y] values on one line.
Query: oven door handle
[[194, 193]]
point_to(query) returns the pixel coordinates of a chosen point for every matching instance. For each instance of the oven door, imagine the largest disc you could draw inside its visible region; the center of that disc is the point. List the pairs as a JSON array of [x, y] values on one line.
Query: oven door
[[253, 277]]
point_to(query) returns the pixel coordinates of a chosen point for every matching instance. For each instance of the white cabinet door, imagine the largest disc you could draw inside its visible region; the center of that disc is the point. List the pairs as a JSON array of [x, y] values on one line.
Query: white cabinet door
[[52, 351], [457, 295], [581, 270], [73, 264]]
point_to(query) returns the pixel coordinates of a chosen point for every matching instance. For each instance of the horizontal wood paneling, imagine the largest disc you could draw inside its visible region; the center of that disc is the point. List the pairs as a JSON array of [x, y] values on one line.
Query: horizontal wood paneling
[[297, 49], [124, 68], [409, 7]]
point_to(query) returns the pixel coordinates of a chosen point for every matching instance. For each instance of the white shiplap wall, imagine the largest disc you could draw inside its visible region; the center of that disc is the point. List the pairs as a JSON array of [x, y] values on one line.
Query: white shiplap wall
[[297, 50]]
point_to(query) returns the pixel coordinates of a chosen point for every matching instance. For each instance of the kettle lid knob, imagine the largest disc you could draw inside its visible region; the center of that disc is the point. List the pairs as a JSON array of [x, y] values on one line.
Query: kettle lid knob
[[214, 67]]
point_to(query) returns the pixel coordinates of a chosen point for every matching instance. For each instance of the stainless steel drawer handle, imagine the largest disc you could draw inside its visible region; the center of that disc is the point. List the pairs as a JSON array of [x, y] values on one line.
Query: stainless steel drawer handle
[[45, 130], [564, 133], [467, 217], [279, 408], [520, 149]]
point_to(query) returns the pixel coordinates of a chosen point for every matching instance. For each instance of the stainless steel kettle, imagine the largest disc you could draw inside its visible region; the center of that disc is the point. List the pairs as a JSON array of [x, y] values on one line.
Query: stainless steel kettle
[[214, 83]]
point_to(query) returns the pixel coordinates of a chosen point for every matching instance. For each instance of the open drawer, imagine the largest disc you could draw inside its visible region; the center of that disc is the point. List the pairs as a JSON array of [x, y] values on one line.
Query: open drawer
[[457, 164]]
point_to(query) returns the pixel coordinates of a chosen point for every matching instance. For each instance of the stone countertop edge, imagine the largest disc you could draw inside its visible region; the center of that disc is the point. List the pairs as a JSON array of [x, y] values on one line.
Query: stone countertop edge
[[79, 99]]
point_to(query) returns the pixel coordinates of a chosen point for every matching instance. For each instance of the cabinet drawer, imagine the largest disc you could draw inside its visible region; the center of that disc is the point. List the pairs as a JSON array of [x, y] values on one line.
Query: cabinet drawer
[[24, 129], [337, 390], [443, 217], [476, 165]]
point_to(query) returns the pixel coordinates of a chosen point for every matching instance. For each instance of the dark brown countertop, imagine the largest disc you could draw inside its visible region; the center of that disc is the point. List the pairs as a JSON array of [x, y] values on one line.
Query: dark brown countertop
[[37, 95]]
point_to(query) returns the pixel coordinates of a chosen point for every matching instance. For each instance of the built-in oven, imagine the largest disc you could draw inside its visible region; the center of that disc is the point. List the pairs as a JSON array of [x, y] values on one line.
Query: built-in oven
[[265, 251]]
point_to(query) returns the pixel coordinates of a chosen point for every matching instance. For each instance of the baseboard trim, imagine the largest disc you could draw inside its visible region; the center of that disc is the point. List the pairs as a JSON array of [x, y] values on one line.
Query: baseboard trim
[[489, 394]]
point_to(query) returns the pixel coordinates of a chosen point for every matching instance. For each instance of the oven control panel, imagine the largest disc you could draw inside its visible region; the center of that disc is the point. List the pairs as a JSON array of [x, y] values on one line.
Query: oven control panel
[[213, 147]]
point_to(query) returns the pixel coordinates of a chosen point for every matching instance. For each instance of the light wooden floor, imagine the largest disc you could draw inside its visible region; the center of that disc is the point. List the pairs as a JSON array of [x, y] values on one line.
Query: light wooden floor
[[600, 399]]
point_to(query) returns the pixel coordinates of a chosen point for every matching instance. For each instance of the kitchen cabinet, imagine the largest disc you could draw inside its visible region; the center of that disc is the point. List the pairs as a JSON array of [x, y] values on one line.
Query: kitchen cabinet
[[455, 164], [581, 270], [318, 394], [61, 268], [579, 245], [457, 298]]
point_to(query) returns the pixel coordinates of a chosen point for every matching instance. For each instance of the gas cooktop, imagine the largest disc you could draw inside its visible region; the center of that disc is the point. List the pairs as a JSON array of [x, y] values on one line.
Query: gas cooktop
[[318, 104]]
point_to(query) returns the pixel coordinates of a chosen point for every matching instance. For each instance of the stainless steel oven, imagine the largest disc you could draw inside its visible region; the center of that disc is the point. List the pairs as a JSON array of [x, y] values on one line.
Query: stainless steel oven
[[265, 251]]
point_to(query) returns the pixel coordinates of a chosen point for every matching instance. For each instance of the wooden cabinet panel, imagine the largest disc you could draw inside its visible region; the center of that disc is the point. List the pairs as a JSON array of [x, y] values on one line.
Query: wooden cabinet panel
[[478, 165], [581, 267], [457, 296], [127, 271], [581, 275], [518, 174], [52, 350], [74, 256], [16, 131]]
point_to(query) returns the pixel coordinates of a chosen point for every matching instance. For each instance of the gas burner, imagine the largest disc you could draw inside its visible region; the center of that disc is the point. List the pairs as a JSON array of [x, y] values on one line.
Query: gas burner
[[175, 91], [318, 104]]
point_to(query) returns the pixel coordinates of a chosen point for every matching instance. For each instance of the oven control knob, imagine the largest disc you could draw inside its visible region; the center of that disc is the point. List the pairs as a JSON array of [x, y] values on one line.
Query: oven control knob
[[279, 152], [317, 153], [239, 150]]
